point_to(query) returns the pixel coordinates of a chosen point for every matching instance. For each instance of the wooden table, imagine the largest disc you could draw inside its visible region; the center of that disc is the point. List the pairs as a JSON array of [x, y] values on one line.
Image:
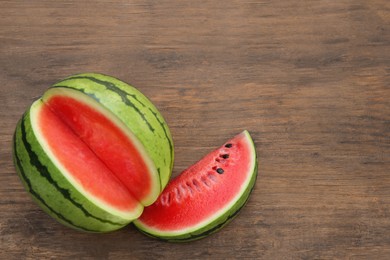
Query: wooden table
[[310, 80]]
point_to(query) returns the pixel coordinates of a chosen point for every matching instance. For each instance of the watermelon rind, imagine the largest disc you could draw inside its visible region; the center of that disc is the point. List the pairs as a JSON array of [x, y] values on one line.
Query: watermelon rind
[[135, 110], [219, 219]]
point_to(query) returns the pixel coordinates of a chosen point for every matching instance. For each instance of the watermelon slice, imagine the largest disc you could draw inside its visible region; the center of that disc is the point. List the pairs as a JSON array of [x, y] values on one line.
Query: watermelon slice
[[205, 196]]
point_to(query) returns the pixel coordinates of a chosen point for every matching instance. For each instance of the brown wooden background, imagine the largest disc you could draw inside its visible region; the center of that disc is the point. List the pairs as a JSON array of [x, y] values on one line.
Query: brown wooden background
[[309, 79]]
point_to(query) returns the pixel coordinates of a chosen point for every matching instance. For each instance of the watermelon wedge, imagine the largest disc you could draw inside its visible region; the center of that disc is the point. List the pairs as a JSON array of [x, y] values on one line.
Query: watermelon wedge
[[205, 196], [93, 152]]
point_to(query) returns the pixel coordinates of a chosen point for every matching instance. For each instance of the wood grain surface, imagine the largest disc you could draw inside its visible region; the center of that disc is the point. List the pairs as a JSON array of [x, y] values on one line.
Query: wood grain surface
[[310, 80]]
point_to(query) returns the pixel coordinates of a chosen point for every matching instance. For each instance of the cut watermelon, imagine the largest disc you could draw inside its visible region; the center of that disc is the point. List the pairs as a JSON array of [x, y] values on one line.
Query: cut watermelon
[[92, 152], [206, 195]]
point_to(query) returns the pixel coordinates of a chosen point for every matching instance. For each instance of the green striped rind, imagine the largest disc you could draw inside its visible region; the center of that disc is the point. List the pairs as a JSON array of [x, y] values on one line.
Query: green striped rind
[[213, 226], [51, 190], [135, 111]]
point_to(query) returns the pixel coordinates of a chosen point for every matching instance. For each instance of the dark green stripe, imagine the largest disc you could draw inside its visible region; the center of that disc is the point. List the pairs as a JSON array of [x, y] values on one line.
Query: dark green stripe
[[36, 195], [159, 177], [123, 94], [166, 134], [162, 124], [44, 172], [157, 118]]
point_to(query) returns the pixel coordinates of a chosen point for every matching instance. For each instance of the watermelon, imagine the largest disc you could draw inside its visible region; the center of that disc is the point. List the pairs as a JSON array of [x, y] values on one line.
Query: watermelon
[[93, 151], [205, 196]]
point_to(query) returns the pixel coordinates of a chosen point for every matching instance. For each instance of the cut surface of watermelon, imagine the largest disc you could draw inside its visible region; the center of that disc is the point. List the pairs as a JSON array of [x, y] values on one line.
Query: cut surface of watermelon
[[205, 195], [97, 153]]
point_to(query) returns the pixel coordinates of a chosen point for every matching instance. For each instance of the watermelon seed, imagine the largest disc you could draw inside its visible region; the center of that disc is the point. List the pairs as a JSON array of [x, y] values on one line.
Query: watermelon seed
[[189, 188], [203, 179], [212, 176], [220, 170], [183, 190], [228, 145], [178, 195], [214, 168], [166, 199], [217, 160], [224, 156], [196, 184]]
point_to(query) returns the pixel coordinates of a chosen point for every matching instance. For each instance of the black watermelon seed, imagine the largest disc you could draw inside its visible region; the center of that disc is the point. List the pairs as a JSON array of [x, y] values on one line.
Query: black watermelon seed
[[225, 156], [220, 170], [228, 145]]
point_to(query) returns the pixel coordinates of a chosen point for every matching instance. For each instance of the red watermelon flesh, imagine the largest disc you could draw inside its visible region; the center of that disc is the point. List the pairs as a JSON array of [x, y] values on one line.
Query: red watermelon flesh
[[202, 191], [96, 152]]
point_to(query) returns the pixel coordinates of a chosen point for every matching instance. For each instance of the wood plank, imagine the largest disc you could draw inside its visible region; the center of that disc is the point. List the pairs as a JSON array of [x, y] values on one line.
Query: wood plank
[[309, 79]]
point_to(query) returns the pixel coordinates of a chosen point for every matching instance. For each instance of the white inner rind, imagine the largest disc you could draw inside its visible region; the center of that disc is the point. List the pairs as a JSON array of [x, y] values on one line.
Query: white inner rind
[[129, 215], [217, 214]]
